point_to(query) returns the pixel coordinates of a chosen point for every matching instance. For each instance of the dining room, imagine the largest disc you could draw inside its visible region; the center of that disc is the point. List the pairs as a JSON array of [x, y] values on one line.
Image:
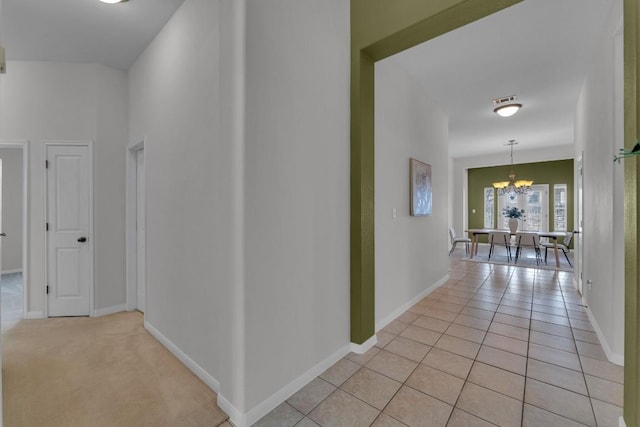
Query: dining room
[[531, 201]]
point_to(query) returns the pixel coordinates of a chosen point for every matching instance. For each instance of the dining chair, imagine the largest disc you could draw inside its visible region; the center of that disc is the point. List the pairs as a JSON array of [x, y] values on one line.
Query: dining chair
[[500, 238], [455, 240], [564, 246], [526, 239]]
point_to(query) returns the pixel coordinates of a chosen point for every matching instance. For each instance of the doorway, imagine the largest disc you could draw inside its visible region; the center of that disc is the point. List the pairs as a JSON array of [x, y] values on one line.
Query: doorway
[[136, 227], [140, 232], [400, 28], [69, 229], [579, 243], [14, 269]]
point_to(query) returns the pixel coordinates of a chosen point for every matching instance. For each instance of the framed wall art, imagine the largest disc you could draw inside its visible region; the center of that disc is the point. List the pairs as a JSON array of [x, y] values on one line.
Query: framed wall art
[[421, 203]]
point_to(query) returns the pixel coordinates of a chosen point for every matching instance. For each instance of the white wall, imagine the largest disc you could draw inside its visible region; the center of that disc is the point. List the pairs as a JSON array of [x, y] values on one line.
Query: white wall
[[411, 252], [11, 208], [598, 130], [45, 101], [286, 197], [297, 189], [458, 189], [174, 103], [112, 127]]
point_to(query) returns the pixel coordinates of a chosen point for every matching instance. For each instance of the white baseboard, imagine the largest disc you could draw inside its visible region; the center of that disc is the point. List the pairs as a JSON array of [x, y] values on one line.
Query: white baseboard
[[237, 418], [404, 307], [34, 315], [17, 270], [240, 419], [613, 357], [365, 346], [110, 310], [287, 391], [186, 360], [621, 422]]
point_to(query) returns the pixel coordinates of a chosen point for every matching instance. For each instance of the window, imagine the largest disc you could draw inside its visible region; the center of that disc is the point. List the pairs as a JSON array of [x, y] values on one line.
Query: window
[[560, 207], [535, 204], [488, 207]]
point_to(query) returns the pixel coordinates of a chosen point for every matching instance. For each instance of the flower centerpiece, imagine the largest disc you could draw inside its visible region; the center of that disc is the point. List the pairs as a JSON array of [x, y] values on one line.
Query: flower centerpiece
[[514, 214]]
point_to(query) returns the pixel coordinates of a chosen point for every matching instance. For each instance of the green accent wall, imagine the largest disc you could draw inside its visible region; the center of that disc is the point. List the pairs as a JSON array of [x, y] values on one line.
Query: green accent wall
[[381, 28], [554, 172], [631, 204]]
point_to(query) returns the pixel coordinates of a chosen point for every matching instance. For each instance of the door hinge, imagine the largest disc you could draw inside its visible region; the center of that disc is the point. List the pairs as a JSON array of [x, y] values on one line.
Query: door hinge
[[46, 226], [47, 289], [46, 164]]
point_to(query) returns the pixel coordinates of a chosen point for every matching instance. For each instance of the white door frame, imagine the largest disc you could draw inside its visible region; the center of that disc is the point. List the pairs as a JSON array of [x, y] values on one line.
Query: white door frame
[[131, 215], [25, 219], [578, 243], [91, 234]]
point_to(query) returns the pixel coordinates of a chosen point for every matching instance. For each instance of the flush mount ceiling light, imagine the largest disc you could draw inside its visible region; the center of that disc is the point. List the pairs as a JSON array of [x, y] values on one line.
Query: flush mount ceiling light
[[506, 106], [114, 1]]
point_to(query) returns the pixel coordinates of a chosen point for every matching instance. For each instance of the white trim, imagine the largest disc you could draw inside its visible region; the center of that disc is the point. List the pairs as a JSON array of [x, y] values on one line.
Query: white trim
[[130, 225], [24, 144], [290, 389], [90, 231], [404, 307], [233, 124], [621, 422], [237, 418], [211, 382], [34, 315], [15, 270], [365, 346], [110, 310], [613, 357]]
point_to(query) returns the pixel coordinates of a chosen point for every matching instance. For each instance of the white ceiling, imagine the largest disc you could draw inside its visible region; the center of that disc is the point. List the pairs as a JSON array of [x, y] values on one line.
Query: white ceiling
[[82, 30], [538, 50]]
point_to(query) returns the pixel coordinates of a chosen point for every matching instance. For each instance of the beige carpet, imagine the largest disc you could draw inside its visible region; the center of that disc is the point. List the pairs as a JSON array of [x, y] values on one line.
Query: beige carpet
[[95, 372]]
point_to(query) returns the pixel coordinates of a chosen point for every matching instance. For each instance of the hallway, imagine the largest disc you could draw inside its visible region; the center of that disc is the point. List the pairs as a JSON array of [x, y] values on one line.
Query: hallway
[[495, 345]]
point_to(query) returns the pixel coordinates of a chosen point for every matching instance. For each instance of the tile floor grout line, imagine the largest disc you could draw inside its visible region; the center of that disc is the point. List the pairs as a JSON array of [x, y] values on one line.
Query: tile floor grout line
[[475, 359], [434, 346], [509, 283], [404, 383], [526, 366], [584, 377]]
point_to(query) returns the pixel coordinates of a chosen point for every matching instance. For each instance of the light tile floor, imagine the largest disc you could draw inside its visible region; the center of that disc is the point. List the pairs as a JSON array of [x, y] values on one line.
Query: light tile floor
[[495, 345]]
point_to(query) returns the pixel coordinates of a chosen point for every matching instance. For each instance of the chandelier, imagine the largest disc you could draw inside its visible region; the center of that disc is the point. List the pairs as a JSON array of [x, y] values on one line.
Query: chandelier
[[513, 186]]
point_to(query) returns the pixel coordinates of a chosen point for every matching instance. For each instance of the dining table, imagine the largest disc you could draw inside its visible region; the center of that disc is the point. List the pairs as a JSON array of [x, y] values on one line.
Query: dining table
[[475, 233]]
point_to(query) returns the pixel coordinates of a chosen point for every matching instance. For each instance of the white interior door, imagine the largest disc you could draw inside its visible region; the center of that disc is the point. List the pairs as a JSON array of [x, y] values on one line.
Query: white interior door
[[140, 232], [69, 262]]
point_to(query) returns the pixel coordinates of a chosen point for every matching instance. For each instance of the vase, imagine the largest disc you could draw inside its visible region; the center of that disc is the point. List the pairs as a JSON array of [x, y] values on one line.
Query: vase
[[513, 225]]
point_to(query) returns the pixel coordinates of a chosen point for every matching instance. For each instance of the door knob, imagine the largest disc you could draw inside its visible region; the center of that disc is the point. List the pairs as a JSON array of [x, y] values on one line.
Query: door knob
[[3, 234], [82, 239]]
